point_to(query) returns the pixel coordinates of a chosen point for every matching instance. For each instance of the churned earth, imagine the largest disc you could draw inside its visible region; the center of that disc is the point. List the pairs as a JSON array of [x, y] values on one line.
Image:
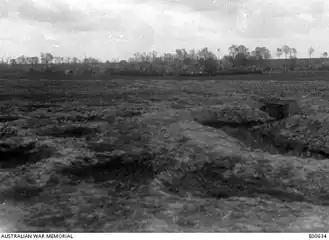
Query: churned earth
[[163, 156]]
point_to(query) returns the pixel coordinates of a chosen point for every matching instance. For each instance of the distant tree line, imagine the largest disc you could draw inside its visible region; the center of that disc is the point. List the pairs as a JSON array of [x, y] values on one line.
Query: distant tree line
[[179, 62], [234, 52]]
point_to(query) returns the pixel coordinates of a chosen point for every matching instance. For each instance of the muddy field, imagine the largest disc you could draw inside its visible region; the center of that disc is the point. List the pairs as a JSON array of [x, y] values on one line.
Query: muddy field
[[168, 156]]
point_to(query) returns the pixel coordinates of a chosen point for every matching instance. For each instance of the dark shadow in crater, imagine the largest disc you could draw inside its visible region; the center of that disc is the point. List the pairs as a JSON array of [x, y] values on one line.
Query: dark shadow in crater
[[8, 118], [221, 124], [13, 155], [69, 131], [122, 175]]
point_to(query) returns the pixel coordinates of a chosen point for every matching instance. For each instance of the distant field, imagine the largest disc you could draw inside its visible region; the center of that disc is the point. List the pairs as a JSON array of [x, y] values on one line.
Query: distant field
[[224, 75], [142, 156]]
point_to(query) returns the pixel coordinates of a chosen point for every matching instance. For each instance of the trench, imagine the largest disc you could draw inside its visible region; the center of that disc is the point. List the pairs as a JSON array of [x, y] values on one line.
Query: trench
[[212, 181], [254, 137]]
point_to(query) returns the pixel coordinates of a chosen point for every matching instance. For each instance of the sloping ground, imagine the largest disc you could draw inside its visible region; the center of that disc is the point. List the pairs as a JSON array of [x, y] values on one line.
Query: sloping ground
[[236, 188], [126, 160]]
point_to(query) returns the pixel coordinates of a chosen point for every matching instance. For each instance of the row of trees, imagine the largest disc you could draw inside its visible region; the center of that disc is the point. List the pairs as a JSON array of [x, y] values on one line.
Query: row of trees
[[47, 59], [236, 53], [265, 53], [292, 52]]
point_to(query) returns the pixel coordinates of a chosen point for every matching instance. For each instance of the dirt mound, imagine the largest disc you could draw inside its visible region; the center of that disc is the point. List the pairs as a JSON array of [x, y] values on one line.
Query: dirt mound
[[260, 128], [267, 138], [311, 132], [231, 113], [244, 157]]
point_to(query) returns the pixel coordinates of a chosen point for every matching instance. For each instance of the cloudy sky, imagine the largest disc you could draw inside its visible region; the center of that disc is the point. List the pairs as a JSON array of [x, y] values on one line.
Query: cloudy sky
[[109, 29]]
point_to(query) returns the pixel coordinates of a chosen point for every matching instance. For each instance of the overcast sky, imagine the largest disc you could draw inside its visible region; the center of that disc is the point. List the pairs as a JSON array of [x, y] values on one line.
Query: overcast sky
[[109, 29]]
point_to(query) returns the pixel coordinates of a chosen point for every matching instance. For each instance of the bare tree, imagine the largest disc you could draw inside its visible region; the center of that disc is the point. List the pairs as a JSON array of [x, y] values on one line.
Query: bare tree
[[311, 51], [242, 49], [286, 50], [233, 50], [46, 58], [325, 55], [155, 54], [181, 54], [294, 52], [33, 61], [57, 60], [13, 61], [75, 60], [262, 53], [21, 60], [192, 54], [204, 53]]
